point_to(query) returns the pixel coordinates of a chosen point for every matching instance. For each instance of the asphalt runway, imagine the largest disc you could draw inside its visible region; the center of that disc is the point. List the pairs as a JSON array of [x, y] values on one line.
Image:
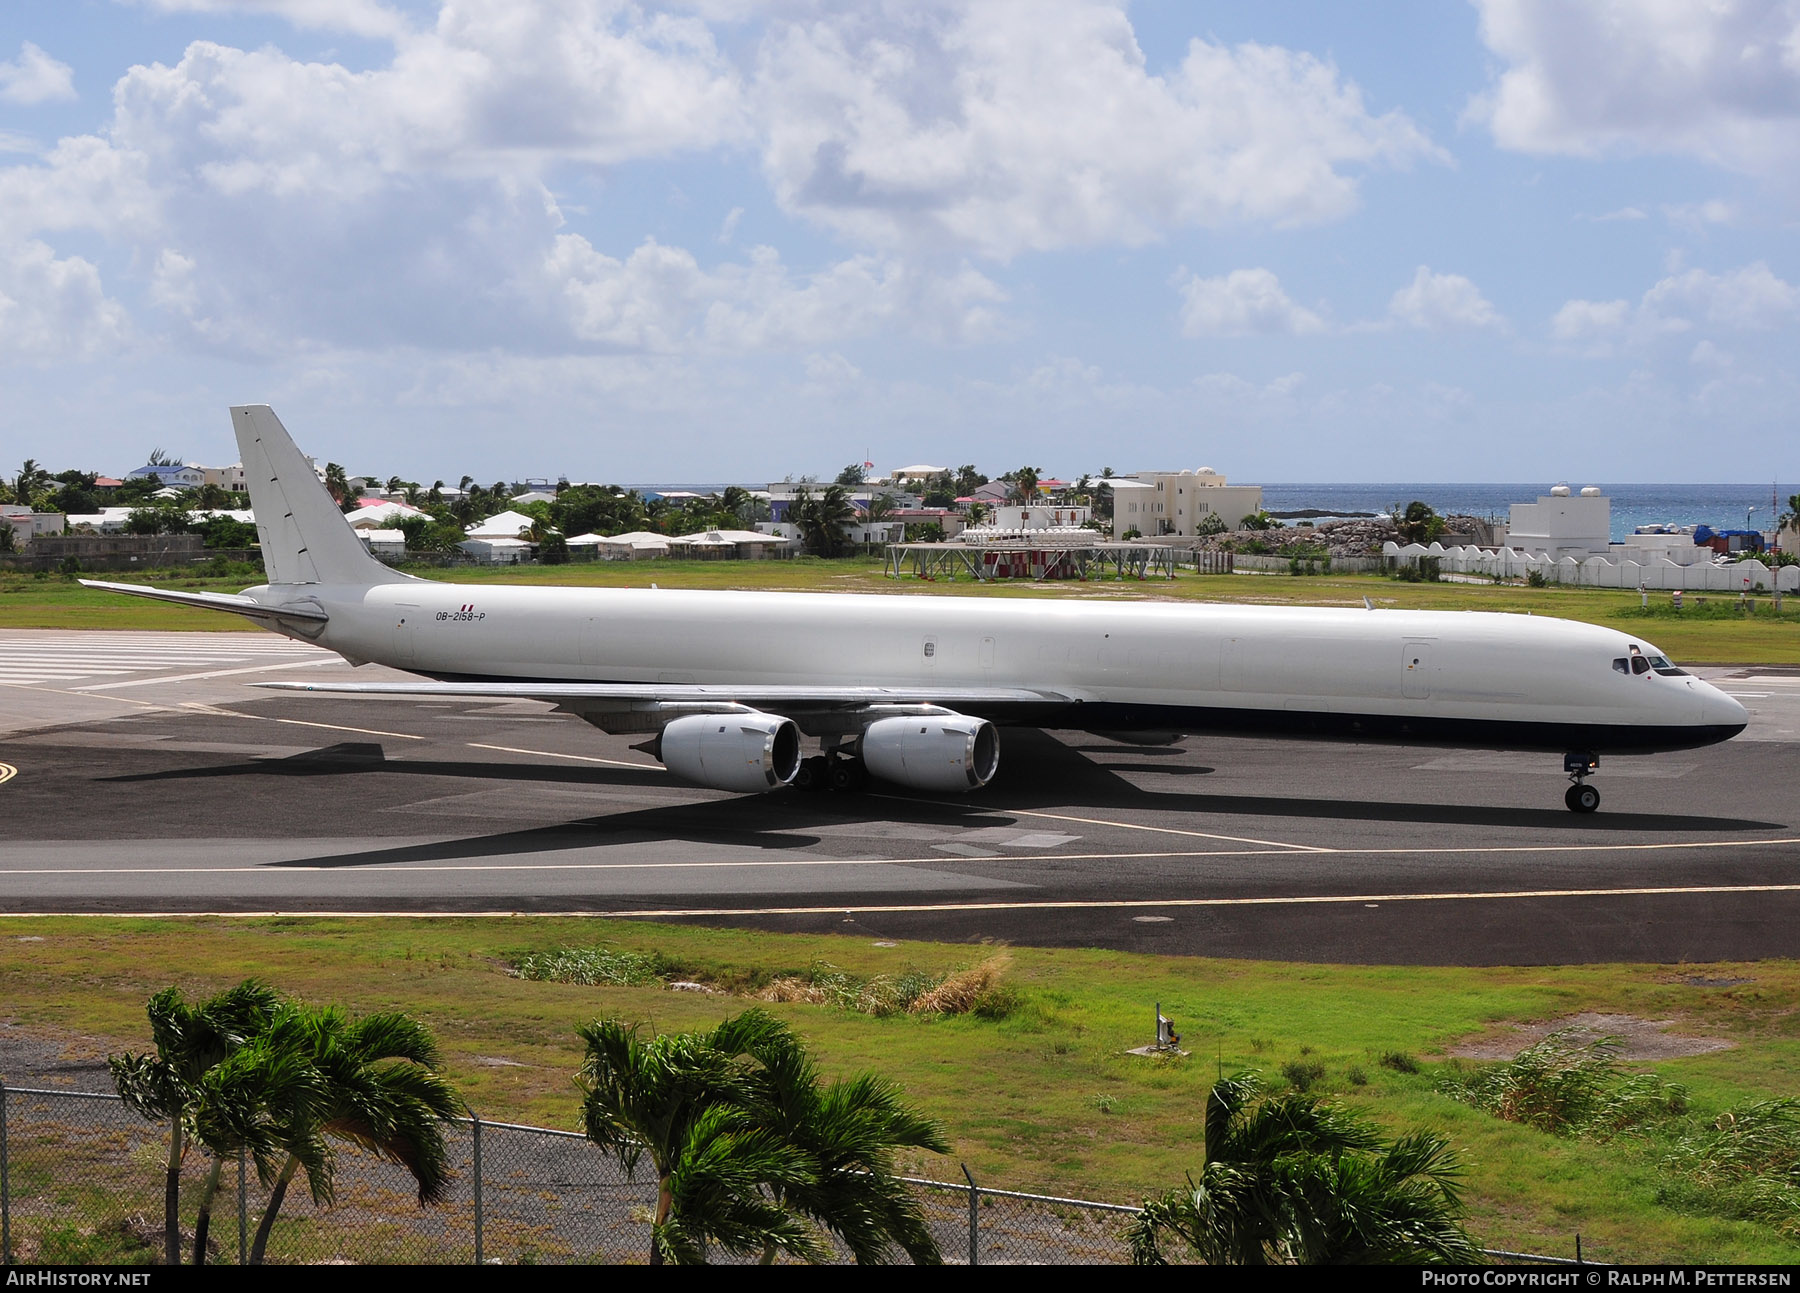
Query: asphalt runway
[[139, 773]]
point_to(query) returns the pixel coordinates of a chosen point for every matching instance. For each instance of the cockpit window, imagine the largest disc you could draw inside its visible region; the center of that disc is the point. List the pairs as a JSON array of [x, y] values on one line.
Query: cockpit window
[[1622, 665], [1662, 666], [1639, 664]]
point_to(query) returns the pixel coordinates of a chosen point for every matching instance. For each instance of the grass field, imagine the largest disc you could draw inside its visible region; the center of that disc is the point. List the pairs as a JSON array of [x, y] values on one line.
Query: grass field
[[1710, 630], [1043, 1099]]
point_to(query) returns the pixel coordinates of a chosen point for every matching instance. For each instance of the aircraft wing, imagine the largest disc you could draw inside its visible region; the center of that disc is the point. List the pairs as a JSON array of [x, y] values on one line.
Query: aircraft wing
[[775, 695], [645, 707], [233, 602]]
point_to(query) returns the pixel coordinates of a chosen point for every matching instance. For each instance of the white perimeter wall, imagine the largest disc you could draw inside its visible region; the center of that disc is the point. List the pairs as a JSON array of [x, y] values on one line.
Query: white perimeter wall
[[1598, 572]]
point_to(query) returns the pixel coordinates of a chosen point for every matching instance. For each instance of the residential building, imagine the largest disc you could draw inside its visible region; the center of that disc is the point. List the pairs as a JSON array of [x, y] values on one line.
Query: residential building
[[173, 475], [27, 525], [1156, 503], [231, 477]]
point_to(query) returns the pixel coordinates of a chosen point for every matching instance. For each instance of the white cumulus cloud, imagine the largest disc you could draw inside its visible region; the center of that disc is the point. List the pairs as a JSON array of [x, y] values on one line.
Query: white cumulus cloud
[[354, 17], [1715, 79], [1748, 299], [660, 299], [1011, 126], [1241, 303], [1441, 301], [1590, 321], [53, 309], [35, 77], [1751, 299]]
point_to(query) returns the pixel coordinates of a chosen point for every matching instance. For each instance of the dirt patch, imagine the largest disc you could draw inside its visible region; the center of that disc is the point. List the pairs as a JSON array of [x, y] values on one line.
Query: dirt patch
[[1642, 1039], [46, 1057]]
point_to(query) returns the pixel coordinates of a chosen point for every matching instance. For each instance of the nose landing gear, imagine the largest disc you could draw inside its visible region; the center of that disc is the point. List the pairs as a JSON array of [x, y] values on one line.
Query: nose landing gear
[[1580, 797]]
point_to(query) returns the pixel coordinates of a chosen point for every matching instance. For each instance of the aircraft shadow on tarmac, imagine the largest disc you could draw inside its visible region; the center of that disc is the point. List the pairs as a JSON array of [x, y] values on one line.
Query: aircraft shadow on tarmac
[[1055, 776], [1061, 776]]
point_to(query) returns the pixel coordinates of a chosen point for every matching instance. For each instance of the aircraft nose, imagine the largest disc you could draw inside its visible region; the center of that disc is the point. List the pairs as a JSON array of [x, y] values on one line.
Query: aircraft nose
[[1719, 710]]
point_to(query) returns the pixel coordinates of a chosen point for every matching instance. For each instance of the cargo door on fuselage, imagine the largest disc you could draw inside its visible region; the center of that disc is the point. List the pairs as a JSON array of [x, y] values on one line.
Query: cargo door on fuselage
[[593, 642], [1415, 670]]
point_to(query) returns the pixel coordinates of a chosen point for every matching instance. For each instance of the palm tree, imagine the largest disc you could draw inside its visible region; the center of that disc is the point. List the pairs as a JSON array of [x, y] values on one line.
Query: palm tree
[[30, 484], [380, 1090], [337, 484], [739, 503], [685, 1100], [848, 1132], [248, 1102], [190, 1041], [1287, 1178], [1024, 483], [823, 519]]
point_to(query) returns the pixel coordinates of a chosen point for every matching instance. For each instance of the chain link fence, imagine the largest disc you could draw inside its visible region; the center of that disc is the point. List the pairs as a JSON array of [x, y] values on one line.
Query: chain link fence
[[82, 1177]]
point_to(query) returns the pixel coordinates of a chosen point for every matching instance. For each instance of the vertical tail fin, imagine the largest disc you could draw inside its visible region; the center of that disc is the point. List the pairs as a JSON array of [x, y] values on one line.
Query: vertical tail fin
[[305, 539]]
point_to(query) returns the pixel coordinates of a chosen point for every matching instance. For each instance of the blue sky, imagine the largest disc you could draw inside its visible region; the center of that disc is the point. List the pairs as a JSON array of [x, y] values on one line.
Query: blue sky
[[731, 239]]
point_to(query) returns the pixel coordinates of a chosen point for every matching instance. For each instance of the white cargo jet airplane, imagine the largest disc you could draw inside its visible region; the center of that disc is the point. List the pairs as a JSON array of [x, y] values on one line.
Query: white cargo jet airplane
[[911, 689]]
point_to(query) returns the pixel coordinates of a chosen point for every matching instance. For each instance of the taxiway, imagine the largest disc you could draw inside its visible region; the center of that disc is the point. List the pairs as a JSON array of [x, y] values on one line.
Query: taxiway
[[138, 773]]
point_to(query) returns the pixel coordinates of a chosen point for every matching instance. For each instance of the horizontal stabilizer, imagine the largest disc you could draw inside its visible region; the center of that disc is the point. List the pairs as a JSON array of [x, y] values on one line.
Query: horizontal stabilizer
[[236, 603]]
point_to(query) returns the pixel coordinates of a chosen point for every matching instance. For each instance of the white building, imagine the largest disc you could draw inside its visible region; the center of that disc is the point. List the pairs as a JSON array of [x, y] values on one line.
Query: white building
[[27, 524], [1038, 517], [1652, 543], [381, 515], [175, 475], [504, 526], [1178, 502], [231, 477], [1560, 524]]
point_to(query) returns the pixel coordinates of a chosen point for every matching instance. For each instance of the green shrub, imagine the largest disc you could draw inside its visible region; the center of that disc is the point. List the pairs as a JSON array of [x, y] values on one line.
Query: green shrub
[[591, 967], [1569, 1087], [1303, 1075]]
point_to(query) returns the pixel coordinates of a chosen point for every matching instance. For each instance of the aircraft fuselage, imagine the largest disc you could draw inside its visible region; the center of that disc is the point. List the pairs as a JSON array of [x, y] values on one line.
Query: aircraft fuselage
[[1466, 678]]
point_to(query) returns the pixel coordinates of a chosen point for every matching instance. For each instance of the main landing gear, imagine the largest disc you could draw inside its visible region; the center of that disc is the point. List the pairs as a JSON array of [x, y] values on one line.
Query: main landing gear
[[1580, 797], [831, 772]]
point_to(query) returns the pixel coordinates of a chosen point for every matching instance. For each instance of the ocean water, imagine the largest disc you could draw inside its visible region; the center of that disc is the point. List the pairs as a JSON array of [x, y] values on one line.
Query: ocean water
[[1720, 506]]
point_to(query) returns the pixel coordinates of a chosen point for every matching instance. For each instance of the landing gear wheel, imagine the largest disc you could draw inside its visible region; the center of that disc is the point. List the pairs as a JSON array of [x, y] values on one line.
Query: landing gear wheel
[[814, 774], [848, 775], [1582, 798]]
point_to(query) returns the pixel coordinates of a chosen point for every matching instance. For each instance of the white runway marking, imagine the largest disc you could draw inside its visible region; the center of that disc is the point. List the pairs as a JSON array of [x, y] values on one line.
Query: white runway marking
[[651, 913], [33, 656], [1125, 826], [280, 868], [216, 673], [582, 758], [200, 708], [1318, 900]]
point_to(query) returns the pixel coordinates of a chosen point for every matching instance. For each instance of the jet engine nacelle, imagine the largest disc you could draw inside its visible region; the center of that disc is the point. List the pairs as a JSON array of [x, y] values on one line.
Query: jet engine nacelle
[[744, 752], [945, 752]]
